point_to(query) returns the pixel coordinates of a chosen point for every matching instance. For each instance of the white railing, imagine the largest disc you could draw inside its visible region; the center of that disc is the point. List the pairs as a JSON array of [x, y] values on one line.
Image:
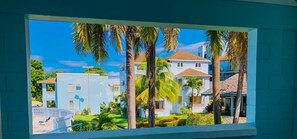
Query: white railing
[[61, 118]]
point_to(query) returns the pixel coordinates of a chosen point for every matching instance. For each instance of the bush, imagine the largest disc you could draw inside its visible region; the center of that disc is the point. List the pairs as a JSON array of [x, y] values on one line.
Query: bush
[[182, 122], [86, 111], [200, 119], [86, 125], [175, 121], [101, 119], [109, 126], [209, 107], [185, 110]]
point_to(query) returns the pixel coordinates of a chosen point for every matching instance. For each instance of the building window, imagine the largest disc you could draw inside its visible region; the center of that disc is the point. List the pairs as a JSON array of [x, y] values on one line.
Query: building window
[[116, 88], [197, 65], [50, 87], [50, 104], [180, 100], [159, 104], [197, 99], [70, 88], [180, 65], [71, 104], [180, 82]]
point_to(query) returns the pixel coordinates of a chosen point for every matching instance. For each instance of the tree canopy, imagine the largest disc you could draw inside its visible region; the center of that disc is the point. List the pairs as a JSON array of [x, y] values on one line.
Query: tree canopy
[[37, 73]]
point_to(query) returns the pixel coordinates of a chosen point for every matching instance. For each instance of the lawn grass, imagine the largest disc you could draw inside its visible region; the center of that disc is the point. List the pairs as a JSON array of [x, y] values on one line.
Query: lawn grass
[[84, 117]]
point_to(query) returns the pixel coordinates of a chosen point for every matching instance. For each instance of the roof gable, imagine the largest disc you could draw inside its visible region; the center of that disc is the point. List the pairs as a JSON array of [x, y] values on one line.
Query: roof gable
[[186, 56]]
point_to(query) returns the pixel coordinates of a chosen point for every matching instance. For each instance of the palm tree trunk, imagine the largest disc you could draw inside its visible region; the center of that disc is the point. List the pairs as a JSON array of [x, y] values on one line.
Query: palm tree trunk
[[239, 93], [192, 100], [216, 90], [150, 57], [130, 79]]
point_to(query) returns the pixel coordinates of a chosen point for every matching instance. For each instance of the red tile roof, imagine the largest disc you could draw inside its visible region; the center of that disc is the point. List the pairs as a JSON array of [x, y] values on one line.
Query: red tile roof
[[229, 86], [183, 55], [192, 72], [48, 81], [141, 58]]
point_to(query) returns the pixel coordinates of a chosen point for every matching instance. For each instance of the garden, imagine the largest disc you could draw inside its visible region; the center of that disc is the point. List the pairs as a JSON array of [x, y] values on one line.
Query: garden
[[112, 117]]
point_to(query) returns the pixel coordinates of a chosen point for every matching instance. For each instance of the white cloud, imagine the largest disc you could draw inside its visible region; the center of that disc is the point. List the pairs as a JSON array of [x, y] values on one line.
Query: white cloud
[[52, 69], [73, 63], [36, 57], [114, 63]]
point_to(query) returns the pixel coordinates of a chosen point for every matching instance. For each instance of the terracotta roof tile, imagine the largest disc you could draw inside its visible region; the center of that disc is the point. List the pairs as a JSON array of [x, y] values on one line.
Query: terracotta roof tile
[[49, 80], [224, 57], [229, 86], [183, 55], [192, 72], [141, 58]]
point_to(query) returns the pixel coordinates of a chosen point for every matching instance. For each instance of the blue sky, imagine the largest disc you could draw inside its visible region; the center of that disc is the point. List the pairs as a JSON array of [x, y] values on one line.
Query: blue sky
[[51, 42]]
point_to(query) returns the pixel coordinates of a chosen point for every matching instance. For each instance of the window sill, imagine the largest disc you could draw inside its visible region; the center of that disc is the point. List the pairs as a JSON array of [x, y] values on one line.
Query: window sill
[[197, 132]]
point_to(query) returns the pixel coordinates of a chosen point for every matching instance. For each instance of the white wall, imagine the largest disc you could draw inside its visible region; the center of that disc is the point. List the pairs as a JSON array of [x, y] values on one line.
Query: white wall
[[187, 64]]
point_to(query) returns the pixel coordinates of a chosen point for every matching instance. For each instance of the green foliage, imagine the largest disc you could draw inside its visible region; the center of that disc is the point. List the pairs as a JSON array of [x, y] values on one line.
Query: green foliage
[[209, 107], [37, 74], [173, 121], [166, 86], [109, 126], [115, 107], [53, 74], [185, 110], [86, 125], [200, 119], [86, 111], [101, 119], [95, 70]]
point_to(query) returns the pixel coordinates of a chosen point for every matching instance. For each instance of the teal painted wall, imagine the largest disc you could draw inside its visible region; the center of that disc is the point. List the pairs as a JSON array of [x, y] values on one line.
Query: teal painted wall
[[272, 61]]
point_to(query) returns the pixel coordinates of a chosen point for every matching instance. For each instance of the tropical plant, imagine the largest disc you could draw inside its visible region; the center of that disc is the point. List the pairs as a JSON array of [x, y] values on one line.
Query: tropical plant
[[92, 39], [53, 74], [166, 87], [237, 52], [149, 36], [193, 83], [216, 46], [37, 74], [95, 70]]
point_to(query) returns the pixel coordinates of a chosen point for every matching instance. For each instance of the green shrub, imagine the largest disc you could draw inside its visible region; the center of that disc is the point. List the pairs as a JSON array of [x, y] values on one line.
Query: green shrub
[[181, 122], [109, 126], [86, 111], [86, 125], [209, 107], [185, 110], [200, 119], [101, 119]]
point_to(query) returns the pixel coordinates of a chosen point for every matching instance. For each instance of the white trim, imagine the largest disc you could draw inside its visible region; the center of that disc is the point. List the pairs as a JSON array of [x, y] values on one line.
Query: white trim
[[208, 61], [209, 131]]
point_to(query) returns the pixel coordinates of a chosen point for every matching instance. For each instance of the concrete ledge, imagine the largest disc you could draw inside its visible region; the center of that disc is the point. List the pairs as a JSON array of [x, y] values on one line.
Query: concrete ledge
[[186, 132]]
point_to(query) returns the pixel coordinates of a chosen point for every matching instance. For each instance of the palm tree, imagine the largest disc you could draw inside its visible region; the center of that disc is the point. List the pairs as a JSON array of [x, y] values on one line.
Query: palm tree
[[216, 46], [193, 83], [166, 87], [93, 38], [149, 36], [237, 52]]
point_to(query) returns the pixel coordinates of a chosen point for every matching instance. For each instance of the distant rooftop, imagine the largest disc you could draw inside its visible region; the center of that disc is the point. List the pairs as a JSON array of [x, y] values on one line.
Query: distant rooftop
[[192, 72], [48, 81], [184, 56], [140, 58], [229, 86]]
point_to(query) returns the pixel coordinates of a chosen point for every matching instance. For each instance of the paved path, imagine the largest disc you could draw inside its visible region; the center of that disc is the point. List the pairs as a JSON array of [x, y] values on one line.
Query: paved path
[[229, 119]]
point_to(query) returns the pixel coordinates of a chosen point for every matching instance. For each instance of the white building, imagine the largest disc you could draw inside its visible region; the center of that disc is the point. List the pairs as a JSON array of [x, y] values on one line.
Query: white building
[[182, 65], [79, 91]]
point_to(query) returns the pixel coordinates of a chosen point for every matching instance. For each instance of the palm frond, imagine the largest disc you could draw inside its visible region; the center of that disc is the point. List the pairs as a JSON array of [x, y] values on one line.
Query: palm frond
[[216, 42], [170, 38]]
